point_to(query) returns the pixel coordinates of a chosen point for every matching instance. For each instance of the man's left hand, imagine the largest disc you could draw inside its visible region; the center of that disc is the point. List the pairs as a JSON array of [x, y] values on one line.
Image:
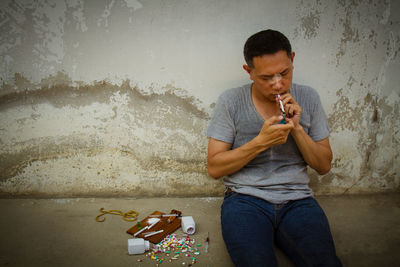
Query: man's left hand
[[292, 109]]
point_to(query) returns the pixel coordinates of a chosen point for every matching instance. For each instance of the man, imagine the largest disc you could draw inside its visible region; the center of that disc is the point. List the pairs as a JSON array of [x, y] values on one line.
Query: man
[[264, 160]]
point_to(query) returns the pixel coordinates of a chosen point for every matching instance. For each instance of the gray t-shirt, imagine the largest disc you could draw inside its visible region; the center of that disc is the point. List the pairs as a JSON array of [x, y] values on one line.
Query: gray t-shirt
[[279, 173]]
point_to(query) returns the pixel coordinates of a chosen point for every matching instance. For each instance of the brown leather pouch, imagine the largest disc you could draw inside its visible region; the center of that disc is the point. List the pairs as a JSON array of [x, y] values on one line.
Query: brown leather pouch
[[169, 226]]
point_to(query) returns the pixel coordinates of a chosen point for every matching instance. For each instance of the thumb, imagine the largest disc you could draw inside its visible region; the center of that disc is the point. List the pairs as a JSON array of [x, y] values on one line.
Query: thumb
[[273, 120]]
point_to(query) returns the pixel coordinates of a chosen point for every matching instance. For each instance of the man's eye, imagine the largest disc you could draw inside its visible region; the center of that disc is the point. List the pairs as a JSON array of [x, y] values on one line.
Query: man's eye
[[285, 73]]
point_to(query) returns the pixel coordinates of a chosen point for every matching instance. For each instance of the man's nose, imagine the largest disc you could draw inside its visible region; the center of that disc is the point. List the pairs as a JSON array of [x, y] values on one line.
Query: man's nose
[[277, 82], [277, 78]]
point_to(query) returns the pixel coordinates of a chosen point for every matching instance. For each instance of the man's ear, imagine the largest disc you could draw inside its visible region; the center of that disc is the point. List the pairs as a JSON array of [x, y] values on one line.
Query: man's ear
[[292, 57], [247, 68]]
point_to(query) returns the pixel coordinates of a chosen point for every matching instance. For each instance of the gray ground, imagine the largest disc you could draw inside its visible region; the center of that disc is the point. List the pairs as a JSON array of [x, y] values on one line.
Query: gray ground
[[63, 232]]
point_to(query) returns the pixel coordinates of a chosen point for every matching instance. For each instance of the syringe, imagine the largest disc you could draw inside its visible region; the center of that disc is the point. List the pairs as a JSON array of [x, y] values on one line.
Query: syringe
[[283, 121]]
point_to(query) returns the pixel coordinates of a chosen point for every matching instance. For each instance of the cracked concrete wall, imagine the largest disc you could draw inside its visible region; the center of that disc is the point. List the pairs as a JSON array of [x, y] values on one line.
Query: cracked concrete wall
[[112, 97]]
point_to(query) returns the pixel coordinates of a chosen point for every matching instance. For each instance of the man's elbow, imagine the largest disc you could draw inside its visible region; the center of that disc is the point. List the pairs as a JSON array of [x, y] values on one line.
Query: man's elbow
[[324, 169], [213, 173], [213, 170]]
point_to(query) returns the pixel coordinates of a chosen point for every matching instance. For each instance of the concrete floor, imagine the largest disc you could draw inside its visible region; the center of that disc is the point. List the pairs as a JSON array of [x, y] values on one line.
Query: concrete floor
[[63, 232]]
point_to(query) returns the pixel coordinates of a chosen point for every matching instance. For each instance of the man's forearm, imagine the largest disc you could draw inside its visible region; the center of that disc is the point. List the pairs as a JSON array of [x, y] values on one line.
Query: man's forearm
[[317, 155], [223, 161], [231, 161]]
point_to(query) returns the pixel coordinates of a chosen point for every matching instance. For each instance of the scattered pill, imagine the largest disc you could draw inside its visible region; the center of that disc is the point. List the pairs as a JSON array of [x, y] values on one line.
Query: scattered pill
[[172, 247]]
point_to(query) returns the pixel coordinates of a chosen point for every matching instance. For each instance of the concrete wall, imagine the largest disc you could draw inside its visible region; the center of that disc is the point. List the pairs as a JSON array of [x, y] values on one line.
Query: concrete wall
[[112, 97]]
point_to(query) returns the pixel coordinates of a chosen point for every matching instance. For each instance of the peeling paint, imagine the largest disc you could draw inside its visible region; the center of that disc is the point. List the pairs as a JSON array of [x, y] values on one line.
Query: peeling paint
[[367, 129], [386, 13], [310, 25], [106, 14], [101, 138], [134, 4], [113, 98], [309, 18]]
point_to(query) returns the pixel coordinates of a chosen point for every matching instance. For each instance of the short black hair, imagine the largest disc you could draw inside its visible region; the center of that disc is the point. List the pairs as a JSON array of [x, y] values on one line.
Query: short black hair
[[265, 42]]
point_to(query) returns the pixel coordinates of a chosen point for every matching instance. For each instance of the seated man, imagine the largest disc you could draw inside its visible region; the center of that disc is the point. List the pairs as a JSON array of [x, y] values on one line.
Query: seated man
[[263, 151]]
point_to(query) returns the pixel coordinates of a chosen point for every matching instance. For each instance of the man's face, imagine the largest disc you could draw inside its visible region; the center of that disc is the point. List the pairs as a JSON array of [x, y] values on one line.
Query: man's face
[[272, 74]]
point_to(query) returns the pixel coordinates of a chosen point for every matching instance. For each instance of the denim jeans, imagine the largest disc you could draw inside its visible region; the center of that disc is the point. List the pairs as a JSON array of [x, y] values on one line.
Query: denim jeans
[[252, 226]]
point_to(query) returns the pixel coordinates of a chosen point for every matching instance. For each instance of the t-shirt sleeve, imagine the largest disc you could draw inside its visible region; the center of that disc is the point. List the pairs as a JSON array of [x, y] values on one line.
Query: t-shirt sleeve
[[221, 126], [319, 127]]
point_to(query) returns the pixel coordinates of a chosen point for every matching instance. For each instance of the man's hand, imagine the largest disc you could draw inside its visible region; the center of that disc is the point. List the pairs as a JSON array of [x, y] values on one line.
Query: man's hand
[[272, 134], [317, 154], [292, 109], [222, 160]]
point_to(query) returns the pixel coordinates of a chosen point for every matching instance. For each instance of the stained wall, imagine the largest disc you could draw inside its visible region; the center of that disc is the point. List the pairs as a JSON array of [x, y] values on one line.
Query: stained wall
[[112, 98]]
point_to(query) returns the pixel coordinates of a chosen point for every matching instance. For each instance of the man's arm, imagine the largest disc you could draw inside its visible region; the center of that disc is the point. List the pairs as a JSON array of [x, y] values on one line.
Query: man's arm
[[221, 160], [317, 154]]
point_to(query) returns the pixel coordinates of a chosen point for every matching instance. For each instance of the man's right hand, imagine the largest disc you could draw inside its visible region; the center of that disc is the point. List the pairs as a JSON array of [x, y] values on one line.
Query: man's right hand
[[272, 134]]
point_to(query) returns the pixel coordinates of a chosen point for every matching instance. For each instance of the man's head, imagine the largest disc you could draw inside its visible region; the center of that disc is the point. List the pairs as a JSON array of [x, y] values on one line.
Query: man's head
[[265, 42], [269, 59]]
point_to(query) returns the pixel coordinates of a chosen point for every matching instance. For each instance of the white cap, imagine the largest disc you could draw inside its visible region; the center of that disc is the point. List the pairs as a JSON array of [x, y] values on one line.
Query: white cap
[[138, 245], [188, 225], [146, 245]]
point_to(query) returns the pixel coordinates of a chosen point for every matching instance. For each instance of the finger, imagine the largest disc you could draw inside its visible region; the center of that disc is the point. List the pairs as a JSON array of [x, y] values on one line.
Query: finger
[[289, 100], [290, 122], [285, 127], [290, 110], [286, 97], [273, 120], [293, 109]]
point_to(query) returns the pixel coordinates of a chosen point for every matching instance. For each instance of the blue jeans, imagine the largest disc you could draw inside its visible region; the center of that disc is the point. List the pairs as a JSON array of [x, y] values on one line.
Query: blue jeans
[[251, 226]]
